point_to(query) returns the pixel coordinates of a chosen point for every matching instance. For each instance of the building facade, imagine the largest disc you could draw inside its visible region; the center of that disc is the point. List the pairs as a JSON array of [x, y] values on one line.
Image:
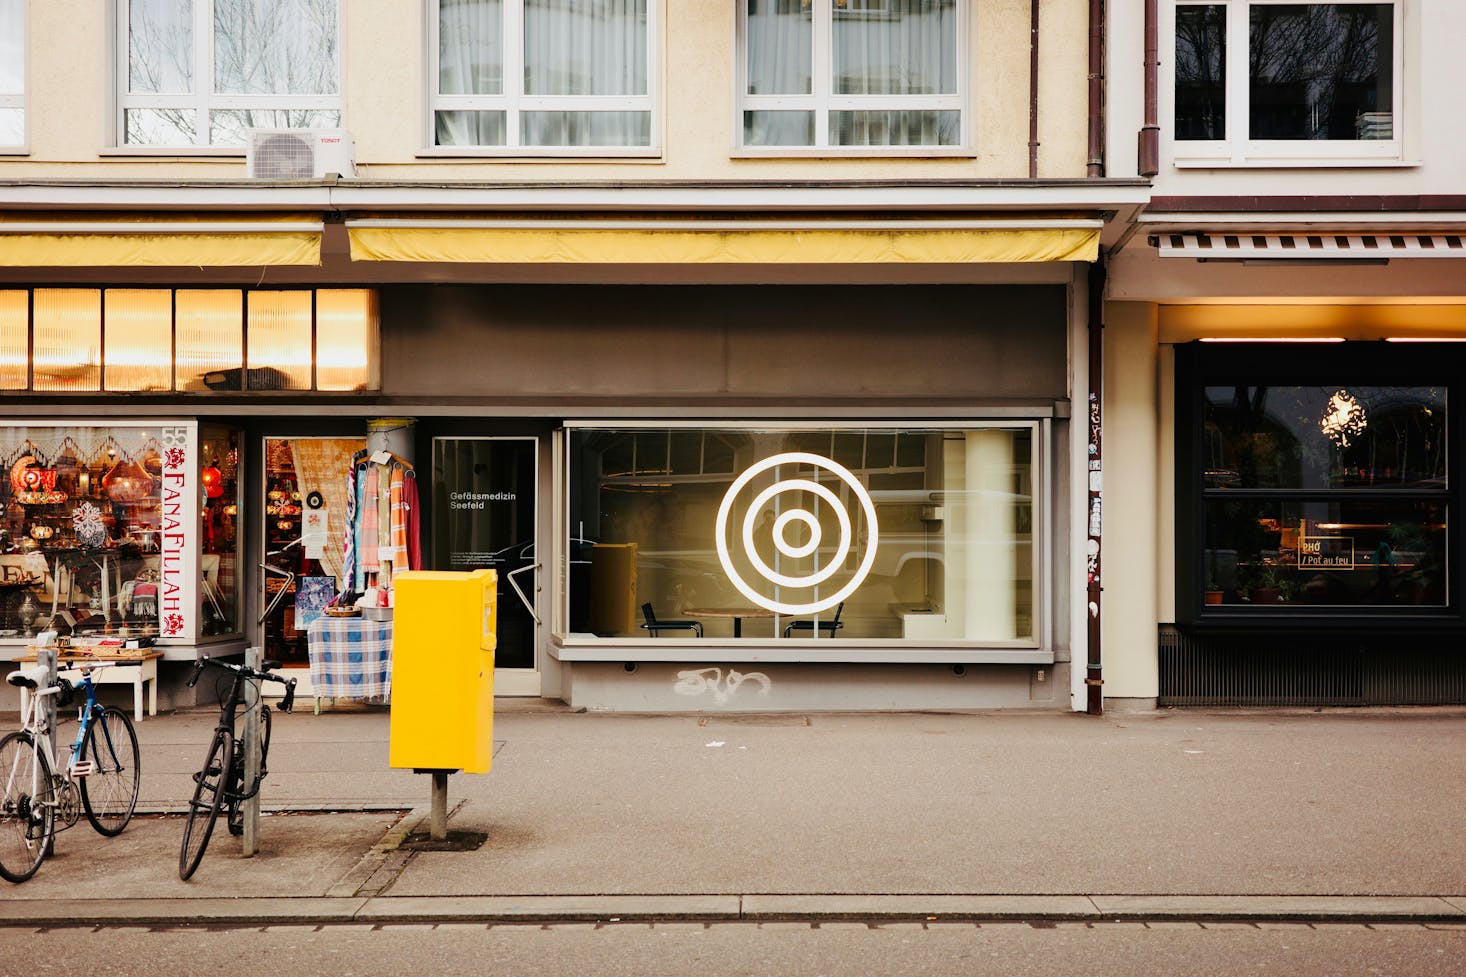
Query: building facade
[[772, 318], [1283, 329]]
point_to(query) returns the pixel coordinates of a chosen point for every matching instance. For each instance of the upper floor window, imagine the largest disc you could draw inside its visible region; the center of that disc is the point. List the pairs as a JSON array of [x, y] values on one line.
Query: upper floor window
[[12, 73], [820, 74], [202, 72], [1261, 78], [547, 76]]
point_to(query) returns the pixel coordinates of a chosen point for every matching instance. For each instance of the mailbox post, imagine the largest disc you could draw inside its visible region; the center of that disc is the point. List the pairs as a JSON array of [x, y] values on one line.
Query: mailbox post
[[443, 640]]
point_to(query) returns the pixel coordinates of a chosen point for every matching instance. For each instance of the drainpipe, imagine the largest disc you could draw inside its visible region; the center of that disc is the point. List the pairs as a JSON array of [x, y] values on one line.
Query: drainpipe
[[1033, 90], [1094, 672], [1096, 162], [1148, 152]]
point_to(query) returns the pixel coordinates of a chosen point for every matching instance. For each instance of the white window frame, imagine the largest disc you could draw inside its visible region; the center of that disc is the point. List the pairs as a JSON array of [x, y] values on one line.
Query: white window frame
[[822, 101], [19, 100], [1238, 149], [512, 101], [202, 99]]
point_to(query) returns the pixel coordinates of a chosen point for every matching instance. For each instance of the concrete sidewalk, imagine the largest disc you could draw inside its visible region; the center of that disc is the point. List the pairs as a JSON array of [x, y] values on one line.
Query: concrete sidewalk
[[1340, 815]]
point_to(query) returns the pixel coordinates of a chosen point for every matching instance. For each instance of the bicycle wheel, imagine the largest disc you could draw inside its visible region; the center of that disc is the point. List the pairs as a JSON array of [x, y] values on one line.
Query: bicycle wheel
[[27, 811], [241, 791], [109, 792], [203, 810]]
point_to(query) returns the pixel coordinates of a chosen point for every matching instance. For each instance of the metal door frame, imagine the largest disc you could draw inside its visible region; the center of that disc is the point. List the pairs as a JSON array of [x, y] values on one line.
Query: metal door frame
[[518, 681]]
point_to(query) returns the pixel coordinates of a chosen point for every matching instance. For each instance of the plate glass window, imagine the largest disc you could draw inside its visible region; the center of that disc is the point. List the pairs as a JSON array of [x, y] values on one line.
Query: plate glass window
[[559, 77], [847, 73], [1263, 76], [735, 522], [1325, 495], [201, 73]]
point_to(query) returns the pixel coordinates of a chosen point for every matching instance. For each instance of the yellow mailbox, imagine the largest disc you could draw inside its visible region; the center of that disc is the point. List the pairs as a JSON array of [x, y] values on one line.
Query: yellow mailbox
[[443, 636]]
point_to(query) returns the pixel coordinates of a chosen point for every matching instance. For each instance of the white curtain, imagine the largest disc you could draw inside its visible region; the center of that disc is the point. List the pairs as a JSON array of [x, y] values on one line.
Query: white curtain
[[585, 49], [908, 47], [594, 48], [470, 62], [877, 47], [780, 42]]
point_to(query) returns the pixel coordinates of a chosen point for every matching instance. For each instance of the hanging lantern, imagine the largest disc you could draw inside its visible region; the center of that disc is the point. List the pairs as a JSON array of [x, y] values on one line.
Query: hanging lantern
[[213, 481], [127, 482]]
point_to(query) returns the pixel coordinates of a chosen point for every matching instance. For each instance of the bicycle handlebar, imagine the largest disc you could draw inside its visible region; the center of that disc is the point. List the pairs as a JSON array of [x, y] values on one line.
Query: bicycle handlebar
[[263, 674]]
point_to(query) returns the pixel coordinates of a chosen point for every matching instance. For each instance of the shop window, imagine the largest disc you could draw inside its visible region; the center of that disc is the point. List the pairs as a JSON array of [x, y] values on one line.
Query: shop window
[[103, 537], [824, 74], [14, 340], [914, 534], [209, 326], [189, 340], [12, 73], [1257, 78], [139, 323], [68, 338], [1327, 496], [279, 334], [272, 65], [553, 77]]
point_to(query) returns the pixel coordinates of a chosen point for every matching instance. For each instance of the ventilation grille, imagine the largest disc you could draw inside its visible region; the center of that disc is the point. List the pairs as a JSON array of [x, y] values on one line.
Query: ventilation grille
[[1310, 670], [1309, 246]]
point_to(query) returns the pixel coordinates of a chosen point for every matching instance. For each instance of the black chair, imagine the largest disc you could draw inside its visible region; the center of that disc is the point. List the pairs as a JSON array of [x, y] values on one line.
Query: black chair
[[654, 625], [831, 626]]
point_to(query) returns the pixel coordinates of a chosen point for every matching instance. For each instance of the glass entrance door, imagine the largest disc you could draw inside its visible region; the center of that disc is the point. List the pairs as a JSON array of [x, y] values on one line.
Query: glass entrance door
[[485, 493], [303, 476]]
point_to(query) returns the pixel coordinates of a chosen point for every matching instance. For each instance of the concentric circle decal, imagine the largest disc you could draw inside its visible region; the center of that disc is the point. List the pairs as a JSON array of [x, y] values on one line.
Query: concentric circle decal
[[792, 497]]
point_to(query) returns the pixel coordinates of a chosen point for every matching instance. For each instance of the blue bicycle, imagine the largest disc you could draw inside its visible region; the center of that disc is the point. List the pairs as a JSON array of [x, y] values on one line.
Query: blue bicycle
[[101, 775]]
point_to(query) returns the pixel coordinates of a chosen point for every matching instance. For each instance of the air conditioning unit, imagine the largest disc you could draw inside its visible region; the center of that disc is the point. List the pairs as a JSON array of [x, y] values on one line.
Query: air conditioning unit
[[298, 154]]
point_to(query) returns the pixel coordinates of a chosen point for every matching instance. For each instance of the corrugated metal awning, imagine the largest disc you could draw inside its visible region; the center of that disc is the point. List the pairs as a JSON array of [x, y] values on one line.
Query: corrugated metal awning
[[1235, 247]]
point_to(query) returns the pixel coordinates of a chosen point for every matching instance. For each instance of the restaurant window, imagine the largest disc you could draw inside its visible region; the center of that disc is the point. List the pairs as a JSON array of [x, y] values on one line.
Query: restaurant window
[[1325, 493], [861, 533], [1266, 78], [85, 340]]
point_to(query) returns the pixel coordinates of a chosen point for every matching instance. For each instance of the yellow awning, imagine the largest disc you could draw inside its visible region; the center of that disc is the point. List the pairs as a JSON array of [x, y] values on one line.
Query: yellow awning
[[175, 242], [948, 242]]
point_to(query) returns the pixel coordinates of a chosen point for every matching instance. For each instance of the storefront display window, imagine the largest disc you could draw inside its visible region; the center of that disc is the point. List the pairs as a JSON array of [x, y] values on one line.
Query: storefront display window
[[1339, 547], [1317, 497], [219, 560], [100, 531], [864, 533]]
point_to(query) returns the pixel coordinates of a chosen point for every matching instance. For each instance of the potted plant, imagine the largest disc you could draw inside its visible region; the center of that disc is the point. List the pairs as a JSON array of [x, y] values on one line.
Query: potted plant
[[1263, 587], [1213, 594]]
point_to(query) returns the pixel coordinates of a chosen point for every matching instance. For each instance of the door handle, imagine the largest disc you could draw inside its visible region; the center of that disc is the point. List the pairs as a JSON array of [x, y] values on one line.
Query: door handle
[[528, 606]]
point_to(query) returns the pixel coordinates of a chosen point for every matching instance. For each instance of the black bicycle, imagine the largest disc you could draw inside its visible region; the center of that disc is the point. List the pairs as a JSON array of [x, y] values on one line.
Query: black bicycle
[[222, 782]]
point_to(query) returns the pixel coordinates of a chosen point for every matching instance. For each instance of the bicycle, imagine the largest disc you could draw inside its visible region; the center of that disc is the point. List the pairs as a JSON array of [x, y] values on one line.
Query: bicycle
[[101, 775], [222, 781]]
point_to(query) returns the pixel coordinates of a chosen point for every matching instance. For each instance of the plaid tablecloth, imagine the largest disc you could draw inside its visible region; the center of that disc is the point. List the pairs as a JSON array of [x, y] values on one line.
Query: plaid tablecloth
[[351, 658]]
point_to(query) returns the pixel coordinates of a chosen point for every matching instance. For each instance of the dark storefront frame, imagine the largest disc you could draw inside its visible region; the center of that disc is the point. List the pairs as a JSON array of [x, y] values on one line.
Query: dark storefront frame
[[1307, 653]]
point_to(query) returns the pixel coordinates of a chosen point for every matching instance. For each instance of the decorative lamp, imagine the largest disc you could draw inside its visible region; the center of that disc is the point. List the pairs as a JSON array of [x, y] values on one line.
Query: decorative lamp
[[127, 482], [213, 482]]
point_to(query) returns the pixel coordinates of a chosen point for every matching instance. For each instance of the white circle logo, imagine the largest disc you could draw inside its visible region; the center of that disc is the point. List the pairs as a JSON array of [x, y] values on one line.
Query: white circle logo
[[783, 532]]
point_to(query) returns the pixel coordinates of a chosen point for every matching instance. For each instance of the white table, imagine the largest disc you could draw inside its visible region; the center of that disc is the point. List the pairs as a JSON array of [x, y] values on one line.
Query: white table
[[138, 669]]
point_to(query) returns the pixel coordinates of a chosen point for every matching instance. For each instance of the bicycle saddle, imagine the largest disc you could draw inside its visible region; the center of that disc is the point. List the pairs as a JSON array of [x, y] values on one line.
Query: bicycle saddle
[[27, 678]]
